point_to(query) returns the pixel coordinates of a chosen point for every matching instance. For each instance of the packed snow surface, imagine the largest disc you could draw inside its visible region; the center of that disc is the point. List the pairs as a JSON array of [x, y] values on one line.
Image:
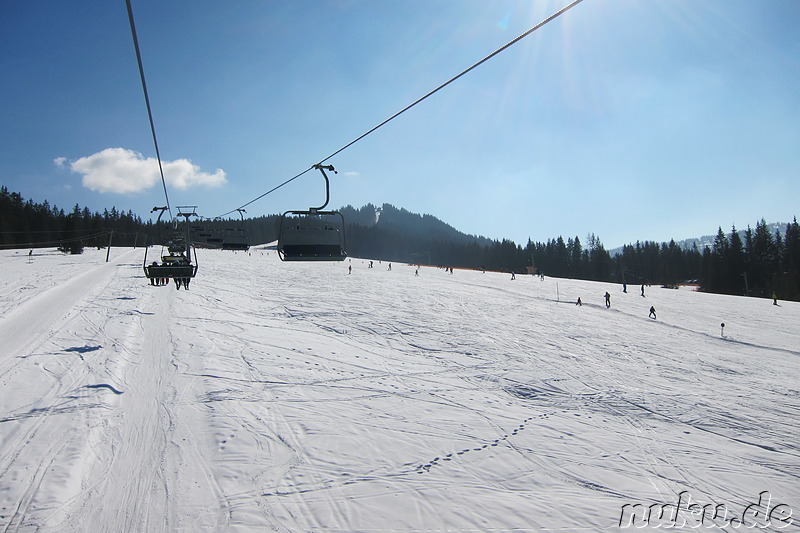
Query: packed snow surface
[[297, 397]]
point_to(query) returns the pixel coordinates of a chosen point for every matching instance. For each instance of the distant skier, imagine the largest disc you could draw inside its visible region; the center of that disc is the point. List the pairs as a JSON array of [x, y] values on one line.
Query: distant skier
[[642, 290], [416, 272], [652, 312], [513, 275], [624, 287], [579, 303], [390, 267], [370, 264], [774, 299], [349, 269], [608, 300]]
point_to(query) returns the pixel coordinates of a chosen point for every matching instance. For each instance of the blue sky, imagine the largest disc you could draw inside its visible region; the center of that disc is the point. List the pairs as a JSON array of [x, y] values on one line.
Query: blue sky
[[634, 120]]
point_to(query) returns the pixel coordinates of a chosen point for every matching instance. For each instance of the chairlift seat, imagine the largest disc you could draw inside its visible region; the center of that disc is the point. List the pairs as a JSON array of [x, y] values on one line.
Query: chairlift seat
[[170, 271]]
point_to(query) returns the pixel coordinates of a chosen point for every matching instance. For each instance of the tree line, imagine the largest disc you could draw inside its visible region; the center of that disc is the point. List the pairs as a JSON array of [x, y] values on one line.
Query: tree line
[[754, 262], [26, 224]]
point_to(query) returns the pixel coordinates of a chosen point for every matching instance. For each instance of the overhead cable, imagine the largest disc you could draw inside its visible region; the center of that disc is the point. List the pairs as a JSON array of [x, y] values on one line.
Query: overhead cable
[[454, 78], [440, 87], [147, 102]]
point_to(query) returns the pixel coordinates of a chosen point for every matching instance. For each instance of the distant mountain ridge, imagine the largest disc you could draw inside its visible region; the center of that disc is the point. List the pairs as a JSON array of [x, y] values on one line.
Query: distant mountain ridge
[[707, 241]]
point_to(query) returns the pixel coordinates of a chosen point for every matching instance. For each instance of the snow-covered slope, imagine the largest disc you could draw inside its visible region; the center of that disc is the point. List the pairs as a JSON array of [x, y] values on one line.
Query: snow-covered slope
[[295, 397]]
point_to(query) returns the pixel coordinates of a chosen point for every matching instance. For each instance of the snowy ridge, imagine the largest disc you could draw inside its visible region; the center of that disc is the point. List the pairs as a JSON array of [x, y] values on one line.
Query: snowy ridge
[[295, 397]]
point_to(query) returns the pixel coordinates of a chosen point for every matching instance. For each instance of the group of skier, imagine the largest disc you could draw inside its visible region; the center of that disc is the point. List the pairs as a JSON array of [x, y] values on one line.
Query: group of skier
[[607, 298]]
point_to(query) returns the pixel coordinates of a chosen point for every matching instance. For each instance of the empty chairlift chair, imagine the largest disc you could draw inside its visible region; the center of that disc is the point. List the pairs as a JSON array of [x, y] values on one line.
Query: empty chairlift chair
[[236, 238], [313, 234]]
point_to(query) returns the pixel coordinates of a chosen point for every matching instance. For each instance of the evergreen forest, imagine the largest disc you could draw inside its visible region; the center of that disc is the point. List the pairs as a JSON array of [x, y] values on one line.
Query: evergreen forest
[[753, 262]]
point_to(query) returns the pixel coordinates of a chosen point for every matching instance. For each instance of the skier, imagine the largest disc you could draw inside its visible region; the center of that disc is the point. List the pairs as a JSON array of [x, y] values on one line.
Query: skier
[[513, 275], [608, 300], [642, 290], [774, 299], [624, 287], [652, 312], [579, 303], [349, 269], [390, 266]]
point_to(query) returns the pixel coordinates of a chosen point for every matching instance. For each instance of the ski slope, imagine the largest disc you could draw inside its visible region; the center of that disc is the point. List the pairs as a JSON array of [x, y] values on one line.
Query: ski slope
[[295, 397]]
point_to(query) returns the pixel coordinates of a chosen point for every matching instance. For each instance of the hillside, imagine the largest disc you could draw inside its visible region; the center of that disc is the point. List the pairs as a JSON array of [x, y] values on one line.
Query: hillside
[[391, 218], [295, 397]]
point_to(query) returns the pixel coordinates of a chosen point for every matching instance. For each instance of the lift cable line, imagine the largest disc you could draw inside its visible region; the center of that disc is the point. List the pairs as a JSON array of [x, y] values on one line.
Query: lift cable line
[[257, 198], [431, 93], [147, 102]]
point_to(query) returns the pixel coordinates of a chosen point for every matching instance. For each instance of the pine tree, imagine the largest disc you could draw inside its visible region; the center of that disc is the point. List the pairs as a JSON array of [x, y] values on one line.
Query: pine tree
[[735, 264]]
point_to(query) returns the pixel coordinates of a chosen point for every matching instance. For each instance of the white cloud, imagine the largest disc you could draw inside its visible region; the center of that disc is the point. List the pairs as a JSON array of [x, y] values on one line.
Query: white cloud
[[60, 162], [118, 170]]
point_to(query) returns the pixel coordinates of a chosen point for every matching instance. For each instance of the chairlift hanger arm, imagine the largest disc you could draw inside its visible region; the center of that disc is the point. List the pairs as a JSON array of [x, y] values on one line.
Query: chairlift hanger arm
[[160, 212], [322, 168]]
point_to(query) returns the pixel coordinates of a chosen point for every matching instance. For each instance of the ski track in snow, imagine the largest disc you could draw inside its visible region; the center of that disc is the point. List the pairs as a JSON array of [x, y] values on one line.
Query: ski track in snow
[[295, 397]]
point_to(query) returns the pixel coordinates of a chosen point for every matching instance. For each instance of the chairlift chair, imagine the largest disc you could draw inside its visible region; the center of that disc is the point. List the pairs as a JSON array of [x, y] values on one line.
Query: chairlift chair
[[235, 238], [306, 236], [313, 234], [177, 261], [172, 266]]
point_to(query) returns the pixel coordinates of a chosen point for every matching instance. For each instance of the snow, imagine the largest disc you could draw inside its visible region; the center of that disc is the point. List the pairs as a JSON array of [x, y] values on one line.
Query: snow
[[295, 397]]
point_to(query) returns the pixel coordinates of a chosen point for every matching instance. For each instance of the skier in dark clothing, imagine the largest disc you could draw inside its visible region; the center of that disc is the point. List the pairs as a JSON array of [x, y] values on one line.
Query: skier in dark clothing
[[652, 312], [608, 300]]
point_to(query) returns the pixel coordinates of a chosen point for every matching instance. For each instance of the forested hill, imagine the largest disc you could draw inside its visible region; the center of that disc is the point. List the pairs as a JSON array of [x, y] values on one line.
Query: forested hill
[[757, 262], [412, 225]]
